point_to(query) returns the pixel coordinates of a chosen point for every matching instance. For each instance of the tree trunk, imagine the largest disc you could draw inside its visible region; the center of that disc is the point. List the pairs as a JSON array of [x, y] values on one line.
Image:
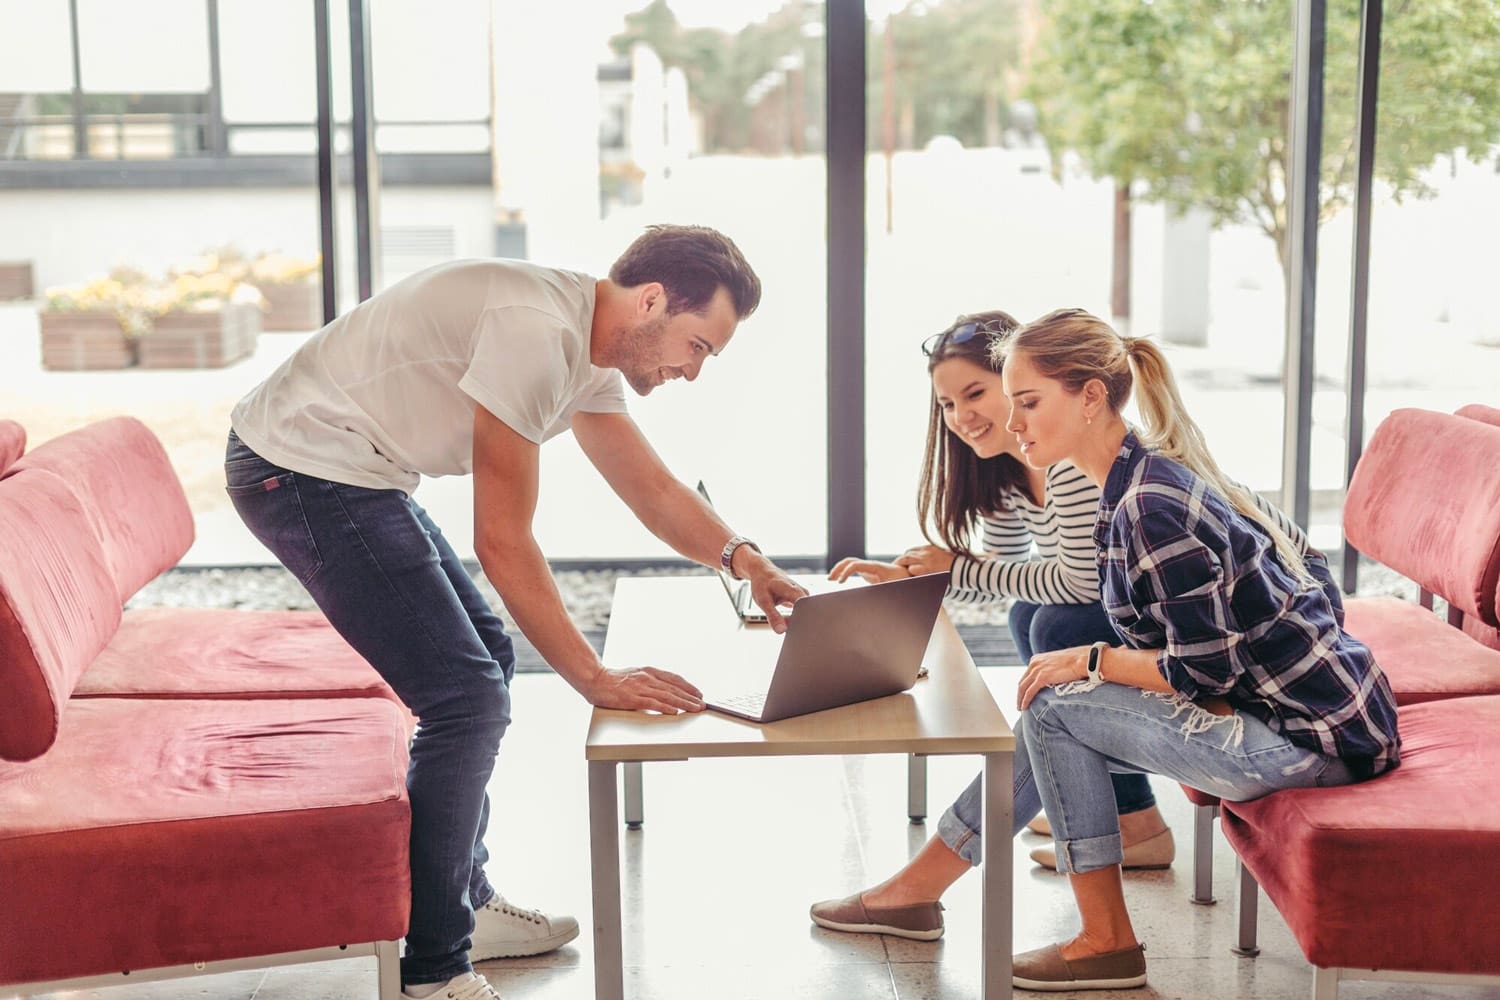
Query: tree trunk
[[993, 135], [1119, 293]]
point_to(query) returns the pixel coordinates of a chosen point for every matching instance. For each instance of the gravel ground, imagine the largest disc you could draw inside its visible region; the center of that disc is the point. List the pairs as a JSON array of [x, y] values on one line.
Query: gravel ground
[[586, 593]]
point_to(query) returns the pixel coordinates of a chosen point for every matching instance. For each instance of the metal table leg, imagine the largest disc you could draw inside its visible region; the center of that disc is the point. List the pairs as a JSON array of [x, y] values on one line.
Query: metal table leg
[[916, 787], [635, 800], [604, 853], [999, 807]]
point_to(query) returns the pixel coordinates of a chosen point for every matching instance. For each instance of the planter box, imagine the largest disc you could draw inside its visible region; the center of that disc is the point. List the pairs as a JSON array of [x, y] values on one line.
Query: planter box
[[15, 280], [76, 341], [293, 307], [201, 339]]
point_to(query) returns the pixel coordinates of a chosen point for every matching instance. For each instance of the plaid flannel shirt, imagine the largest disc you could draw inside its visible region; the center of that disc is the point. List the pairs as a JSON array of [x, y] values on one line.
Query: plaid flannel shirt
[[1183, 572]]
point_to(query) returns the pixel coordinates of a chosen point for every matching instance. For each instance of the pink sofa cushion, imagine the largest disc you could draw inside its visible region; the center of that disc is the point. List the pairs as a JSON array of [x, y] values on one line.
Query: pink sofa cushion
[[1424, 657], [1481, 633], [164, 832], [131, 493], [1398, 872], [12, 443], [58, 607], [218, 653], [1422, 501]]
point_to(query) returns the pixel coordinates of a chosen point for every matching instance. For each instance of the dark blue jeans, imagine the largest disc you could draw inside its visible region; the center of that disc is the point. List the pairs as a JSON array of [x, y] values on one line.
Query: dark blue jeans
[[394, 589], [1042, 628]]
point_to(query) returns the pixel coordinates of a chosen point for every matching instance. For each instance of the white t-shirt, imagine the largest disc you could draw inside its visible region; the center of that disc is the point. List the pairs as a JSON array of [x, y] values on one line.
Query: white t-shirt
[[385, 394]]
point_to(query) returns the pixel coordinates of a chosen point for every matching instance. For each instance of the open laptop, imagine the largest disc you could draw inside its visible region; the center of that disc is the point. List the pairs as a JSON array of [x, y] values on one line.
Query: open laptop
[[839, 648]]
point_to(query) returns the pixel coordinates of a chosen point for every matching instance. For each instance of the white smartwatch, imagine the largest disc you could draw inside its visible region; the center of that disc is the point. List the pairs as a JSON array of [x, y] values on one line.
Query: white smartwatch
[[1096, 660], [726, 555]]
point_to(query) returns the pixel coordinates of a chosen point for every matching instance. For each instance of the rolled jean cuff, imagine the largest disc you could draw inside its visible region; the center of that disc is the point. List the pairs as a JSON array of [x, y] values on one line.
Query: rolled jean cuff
[[961, 838], [1079, 857]]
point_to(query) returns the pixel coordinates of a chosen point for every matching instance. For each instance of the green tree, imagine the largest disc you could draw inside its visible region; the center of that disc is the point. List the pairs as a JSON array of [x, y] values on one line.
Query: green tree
[[1190, 99], [721, 67], [948, 61]]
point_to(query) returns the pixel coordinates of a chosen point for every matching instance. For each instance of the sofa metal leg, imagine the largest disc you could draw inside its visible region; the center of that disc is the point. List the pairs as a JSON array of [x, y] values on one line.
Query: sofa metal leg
[[1203, 854], [1325, 984], [916, 787], [1249, 894], [635, 797], [388, 969]]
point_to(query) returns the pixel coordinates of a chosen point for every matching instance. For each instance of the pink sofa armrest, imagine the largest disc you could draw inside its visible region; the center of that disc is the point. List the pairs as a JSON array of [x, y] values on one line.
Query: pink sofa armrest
[[58, 607]]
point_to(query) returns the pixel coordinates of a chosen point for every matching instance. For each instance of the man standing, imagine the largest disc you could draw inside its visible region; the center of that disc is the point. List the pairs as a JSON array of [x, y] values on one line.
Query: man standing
[[467, 368]]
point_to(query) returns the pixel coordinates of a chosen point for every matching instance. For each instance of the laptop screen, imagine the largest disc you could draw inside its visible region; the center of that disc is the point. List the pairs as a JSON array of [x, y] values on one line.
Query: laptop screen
[[734, 588]]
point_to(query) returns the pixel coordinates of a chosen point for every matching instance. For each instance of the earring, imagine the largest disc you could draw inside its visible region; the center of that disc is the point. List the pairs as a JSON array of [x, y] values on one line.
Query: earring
[[1089, 421]]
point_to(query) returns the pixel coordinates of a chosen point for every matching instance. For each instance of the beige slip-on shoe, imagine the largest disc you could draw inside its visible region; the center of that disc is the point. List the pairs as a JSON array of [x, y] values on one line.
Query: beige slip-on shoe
[[1153, 852], [1040, 825], [1046, 969], [919, 921]]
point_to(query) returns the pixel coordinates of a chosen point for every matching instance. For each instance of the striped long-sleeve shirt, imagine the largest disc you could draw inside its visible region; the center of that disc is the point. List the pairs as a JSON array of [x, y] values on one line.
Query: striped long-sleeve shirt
[[1042, 554]]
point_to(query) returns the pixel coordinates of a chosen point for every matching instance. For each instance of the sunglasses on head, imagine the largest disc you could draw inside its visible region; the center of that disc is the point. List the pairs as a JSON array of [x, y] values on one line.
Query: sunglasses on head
[[961, 333]]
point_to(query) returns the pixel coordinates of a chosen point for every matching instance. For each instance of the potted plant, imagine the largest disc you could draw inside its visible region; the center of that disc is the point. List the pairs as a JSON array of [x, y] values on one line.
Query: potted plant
[[15, 280], [203, 316], [93, 325], [293, 291]]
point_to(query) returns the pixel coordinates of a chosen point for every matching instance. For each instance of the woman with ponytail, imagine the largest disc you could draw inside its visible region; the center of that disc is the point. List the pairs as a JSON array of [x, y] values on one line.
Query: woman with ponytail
[[1232, 673], [1035, 529]]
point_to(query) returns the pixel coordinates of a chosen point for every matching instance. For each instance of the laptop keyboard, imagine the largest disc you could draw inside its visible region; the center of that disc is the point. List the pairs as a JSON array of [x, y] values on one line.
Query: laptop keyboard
[[750, 704]]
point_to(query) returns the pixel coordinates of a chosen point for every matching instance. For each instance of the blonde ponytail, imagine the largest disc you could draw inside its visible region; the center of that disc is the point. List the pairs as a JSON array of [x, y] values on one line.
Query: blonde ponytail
[[1073, 347], [1176, 435]]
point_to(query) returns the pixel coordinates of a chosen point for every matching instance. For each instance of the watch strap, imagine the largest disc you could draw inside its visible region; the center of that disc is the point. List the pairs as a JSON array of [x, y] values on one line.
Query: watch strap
[[1096, 660], [726, 555]]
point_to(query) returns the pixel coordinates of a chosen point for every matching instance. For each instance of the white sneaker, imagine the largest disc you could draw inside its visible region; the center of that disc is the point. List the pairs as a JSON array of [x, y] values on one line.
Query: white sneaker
[[504, 930], [469, 986]]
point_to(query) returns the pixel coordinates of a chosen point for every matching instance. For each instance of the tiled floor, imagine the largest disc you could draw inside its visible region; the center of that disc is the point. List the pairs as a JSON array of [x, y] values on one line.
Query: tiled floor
[[716, 888]]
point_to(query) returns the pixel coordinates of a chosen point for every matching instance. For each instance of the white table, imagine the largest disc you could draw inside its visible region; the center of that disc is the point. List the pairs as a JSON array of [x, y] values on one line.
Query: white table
[[679, 623]]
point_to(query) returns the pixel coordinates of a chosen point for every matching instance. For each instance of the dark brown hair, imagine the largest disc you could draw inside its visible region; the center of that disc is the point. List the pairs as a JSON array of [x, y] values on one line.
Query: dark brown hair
[[957, 486], [691, 263]]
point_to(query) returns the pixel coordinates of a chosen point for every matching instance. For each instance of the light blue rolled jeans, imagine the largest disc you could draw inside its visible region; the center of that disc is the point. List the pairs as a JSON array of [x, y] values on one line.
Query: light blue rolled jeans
[[1072, 737]]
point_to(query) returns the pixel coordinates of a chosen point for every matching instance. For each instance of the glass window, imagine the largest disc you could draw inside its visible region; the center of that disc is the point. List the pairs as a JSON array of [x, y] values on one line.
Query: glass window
[[1116, 161], [35, 50], [122, 51], [702, 115], [166, 287], [1433, 337]]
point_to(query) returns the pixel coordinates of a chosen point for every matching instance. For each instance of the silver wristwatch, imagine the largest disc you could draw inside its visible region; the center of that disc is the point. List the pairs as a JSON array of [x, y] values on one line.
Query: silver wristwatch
[[726, 555]]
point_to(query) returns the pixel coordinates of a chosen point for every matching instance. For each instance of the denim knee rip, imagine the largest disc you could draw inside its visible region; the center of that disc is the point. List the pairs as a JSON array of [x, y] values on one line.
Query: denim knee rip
[[1199, 719]]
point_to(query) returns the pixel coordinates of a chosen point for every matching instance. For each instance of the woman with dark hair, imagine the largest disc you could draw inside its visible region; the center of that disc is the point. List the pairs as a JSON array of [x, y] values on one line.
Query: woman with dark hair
[[1036, 532], [1232, 673]]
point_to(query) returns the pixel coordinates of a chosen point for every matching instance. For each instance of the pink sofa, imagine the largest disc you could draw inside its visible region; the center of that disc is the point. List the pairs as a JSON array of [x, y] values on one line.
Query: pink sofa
[[1489, 635], [1395, 878], [1441, 534], [180, 789]]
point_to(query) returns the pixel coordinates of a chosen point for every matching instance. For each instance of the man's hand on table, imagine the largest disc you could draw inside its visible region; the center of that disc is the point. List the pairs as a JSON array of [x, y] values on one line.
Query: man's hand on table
[[644, 689]]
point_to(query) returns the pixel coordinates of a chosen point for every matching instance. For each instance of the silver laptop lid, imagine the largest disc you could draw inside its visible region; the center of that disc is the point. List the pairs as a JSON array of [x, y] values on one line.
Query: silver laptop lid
[[738, 590], [852, 645]]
